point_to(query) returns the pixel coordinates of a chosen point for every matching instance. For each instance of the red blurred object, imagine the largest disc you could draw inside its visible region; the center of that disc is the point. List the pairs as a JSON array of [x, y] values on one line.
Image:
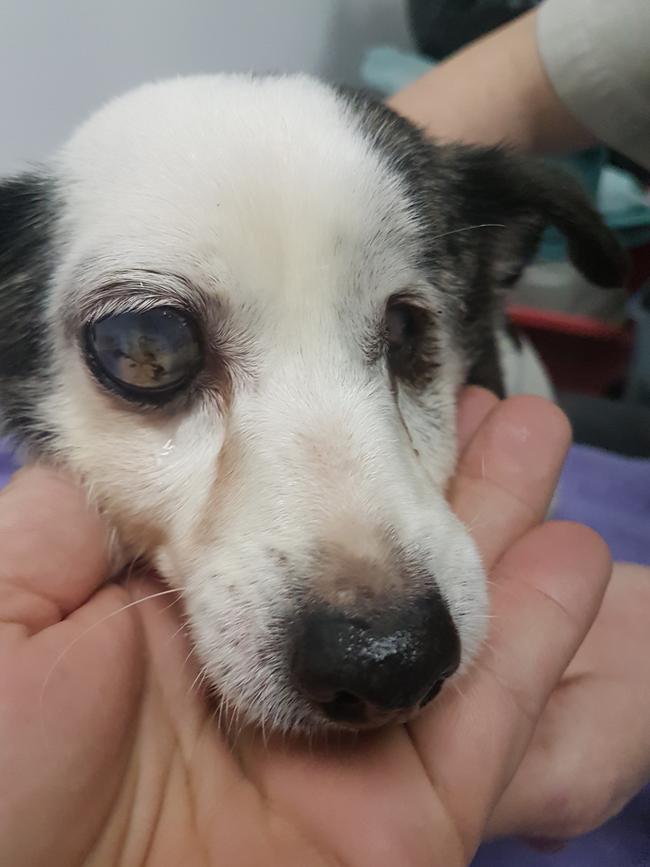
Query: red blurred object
[[581, 353]]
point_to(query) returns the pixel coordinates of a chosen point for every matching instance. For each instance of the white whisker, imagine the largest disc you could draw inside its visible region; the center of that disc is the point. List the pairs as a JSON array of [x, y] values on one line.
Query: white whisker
[[176, 632], [89, 629], [469, 229], [198, 681]]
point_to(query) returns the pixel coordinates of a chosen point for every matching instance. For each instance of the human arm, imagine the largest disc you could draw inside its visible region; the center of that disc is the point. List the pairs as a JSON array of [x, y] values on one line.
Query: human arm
[[494, 91], [556, 79]]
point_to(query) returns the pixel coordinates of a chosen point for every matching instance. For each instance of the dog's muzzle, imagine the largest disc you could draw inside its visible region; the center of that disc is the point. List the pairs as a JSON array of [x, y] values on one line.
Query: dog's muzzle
[[368, 667]]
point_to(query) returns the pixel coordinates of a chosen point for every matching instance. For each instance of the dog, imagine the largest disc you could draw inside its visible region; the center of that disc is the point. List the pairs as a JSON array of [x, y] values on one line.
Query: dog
[[240, 310]]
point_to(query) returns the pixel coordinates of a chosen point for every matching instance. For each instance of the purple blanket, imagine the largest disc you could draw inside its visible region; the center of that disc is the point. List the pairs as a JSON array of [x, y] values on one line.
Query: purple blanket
[[7, 464], [612, 495]]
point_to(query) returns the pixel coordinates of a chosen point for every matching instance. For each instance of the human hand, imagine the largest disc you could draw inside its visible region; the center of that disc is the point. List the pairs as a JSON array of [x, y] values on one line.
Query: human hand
[[591, 750], [115, 759]]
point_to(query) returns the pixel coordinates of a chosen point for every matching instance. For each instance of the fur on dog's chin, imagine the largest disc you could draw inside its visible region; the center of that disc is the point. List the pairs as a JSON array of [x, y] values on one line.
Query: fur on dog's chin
[[301, 726], [341, 277]]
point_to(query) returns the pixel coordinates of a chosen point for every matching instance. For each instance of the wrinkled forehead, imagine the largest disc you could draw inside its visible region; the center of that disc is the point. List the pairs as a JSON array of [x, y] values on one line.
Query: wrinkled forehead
[[256, 187]]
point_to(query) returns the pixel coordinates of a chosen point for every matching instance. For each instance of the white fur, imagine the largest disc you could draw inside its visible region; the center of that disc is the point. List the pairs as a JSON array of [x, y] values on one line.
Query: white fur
[[266, 194]]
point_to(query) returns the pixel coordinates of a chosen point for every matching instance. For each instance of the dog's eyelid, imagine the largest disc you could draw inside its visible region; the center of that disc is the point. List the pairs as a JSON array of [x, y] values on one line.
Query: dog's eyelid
[[420, 298], [137, 291], [137, 304]]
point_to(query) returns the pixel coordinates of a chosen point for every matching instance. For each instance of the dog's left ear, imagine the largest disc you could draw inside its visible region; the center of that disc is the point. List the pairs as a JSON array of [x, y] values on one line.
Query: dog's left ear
[[523, 196], [513, 199]]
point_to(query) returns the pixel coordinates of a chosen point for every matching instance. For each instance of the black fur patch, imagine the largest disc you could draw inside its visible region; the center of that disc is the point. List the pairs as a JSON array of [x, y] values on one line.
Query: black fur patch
[[483, 211], [25, 226]]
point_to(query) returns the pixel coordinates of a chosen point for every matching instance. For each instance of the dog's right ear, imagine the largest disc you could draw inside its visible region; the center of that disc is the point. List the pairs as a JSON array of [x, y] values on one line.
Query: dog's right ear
[[26, 217]]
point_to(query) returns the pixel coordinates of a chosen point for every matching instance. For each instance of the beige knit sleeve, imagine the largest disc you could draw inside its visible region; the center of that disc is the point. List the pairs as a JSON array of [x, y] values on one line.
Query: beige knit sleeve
[[597, 56]]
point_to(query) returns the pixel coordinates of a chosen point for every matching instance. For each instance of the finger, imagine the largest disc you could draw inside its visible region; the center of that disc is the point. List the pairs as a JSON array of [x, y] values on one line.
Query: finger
[[54, 549], [590, 752], [579, 770], [547, 592], [71, 696], [508, 473], [474, 404]]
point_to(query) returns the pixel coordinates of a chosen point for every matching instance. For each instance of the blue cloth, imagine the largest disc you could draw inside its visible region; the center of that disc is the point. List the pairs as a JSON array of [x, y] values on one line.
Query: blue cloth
[[8, 465]]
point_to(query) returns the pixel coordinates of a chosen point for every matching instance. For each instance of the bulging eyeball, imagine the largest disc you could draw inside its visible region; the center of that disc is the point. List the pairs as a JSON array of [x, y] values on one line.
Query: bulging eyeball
[[144, 356]]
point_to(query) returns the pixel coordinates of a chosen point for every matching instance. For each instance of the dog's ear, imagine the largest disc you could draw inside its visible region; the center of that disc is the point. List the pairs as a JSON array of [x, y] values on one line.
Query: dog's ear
[[523, 196], [514, 199], [26, 207]]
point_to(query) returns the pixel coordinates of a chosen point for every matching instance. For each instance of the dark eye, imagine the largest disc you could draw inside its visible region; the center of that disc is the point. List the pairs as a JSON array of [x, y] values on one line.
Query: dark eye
[[409, 339], [401, 327], [146, 357]]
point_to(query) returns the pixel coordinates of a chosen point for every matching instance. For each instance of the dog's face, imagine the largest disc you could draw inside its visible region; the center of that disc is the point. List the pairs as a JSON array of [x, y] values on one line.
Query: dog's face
[[241, 309]]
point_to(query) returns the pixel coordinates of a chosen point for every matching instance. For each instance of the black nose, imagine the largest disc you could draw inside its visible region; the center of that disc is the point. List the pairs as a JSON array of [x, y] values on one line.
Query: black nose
[[366, 668]]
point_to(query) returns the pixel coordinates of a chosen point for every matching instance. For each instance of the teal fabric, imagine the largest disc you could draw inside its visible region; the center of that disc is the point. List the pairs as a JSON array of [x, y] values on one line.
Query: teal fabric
[[388, 69], [618, 195]]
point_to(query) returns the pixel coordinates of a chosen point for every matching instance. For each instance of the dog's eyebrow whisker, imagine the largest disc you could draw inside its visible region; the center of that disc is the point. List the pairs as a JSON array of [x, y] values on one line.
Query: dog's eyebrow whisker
[[66, 650], [469, 229]]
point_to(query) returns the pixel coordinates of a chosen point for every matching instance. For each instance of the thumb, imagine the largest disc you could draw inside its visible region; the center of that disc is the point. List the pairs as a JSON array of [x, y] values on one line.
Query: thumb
[[54, 549]]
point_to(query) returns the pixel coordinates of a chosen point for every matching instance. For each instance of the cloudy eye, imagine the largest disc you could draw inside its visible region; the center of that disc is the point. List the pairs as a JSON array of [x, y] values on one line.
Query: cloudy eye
[[144, 356]]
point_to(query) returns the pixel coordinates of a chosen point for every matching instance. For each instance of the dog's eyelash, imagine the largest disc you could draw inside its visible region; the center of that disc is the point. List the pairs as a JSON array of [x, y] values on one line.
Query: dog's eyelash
[[137, 303], [136, 291]]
